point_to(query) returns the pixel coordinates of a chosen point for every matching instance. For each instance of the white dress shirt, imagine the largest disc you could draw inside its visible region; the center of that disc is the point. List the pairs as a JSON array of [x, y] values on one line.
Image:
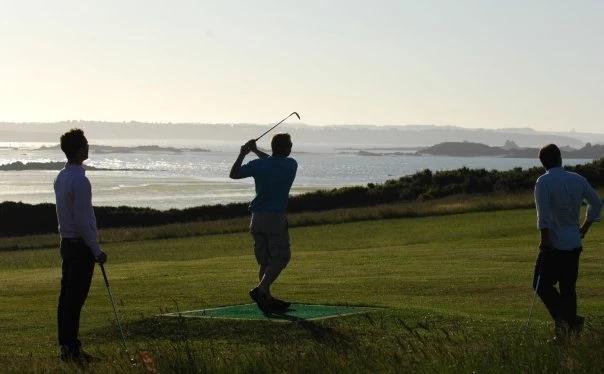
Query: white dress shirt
[[74, 206], [558, 197]]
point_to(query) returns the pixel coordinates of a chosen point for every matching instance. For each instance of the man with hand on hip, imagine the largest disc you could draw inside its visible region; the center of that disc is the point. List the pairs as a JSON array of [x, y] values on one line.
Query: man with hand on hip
[[79, 247], [273, 176], [558, 198]]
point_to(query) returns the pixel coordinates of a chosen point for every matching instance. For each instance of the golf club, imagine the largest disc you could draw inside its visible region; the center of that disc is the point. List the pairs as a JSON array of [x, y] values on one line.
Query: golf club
[[534, 293], [278, 123], [117, 319]]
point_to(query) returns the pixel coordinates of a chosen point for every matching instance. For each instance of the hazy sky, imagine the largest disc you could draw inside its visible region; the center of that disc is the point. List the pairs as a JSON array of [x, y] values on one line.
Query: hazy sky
[[468, 63]]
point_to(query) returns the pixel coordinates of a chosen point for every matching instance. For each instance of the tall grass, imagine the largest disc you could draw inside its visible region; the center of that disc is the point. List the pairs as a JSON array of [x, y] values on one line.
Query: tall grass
[[389, 342]]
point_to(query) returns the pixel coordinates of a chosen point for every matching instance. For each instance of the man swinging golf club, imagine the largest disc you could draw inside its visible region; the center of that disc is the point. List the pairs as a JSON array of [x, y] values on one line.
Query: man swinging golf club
[[558, 198], [79, 247], [273, 176]]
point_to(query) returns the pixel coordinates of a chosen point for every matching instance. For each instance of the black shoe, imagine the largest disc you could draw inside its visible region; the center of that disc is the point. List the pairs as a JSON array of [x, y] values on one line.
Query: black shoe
[[577, 326], [87, 357], [68, 354], [279, 305], [562, 329], [261, 299]]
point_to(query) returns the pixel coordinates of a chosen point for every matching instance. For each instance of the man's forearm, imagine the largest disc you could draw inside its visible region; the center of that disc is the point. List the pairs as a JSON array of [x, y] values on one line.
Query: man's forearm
[[260, 154], [235, 169], [587, 224], [545, 240], [585, 227]]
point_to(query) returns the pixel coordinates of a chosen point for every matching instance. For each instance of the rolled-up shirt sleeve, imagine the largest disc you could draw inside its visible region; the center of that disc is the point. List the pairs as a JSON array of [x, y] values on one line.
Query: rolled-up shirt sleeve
[[542, 204], [594, 203], [84, 218]]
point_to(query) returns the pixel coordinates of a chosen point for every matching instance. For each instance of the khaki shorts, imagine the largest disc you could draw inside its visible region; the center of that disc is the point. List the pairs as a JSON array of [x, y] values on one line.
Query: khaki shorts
[[271, 238]]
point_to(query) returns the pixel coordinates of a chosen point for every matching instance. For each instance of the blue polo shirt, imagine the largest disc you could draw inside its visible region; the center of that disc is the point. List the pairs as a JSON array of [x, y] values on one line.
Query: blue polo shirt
[[274, 177]]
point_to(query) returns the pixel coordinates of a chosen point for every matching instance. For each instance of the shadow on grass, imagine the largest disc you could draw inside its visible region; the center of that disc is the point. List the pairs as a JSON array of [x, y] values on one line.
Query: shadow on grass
[[231, 331]]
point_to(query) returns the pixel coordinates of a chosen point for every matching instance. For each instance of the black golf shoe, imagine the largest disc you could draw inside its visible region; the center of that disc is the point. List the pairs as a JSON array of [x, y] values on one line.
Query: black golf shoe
[[577, 326], [561, 329], [76, 356], [261, 299], [87, 357], [278, 305]]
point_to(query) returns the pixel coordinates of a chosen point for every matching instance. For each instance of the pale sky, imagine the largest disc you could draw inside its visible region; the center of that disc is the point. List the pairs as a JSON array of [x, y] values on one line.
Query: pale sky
[[488, 64]]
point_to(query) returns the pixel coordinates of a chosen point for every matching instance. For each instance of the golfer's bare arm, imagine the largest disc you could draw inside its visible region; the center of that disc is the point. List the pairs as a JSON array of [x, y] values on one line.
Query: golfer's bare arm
[[248, 147], [236, 168], [259, 153], [594, 208], [545, 240]]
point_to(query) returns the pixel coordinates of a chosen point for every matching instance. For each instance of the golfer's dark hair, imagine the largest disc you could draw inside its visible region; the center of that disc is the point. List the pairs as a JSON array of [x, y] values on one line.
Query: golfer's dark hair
[[281, 144], [72, 141], [550, 156]]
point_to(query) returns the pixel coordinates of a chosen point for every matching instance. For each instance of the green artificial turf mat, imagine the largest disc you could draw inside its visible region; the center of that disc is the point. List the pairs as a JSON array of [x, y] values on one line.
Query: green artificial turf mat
[[296, 312]]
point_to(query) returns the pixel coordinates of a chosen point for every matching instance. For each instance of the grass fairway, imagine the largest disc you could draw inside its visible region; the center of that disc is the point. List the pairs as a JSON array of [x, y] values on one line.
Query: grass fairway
[[456, 293]]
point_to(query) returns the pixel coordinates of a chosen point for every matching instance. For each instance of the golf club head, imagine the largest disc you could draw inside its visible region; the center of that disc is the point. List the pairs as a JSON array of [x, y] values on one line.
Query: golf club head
[[297, 115]]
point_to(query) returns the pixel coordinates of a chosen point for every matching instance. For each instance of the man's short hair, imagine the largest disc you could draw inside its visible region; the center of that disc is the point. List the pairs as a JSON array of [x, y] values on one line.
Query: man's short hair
[[281, 144], [72, 141], [550, 156]]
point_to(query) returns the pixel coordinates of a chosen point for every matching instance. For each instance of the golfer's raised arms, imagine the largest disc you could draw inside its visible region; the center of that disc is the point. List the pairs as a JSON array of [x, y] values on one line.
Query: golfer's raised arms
[[248, 147]]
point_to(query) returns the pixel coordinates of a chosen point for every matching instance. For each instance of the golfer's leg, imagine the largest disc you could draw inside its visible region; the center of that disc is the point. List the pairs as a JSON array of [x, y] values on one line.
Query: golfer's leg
[[261, 252], [568, 282], [280, 255], [63, 307], [69, 307], [547, 268], [83, 274]]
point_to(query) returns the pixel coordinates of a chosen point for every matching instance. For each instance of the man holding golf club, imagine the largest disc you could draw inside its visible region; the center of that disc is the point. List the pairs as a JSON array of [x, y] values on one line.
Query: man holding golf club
[[79, 247], [273, 176], [558, 198]]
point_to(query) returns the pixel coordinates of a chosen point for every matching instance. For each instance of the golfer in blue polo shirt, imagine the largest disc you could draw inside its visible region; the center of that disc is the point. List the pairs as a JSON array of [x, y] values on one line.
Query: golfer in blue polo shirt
[[273, 176]]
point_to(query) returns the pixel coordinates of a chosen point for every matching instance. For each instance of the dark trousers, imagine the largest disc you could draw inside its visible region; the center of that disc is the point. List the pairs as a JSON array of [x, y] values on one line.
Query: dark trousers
[[562, 267], [77, 269]]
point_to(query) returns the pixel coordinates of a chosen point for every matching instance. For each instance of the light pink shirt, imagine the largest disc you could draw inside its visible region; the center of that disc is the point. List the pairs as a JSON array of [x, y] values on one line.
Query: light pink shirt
[[74, 206]]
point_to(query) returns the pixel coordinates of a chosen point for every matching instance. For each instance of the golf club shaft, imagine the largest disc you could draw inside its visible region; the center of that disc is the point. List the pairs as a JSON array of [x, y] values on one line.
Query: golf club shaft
[[534, 297], [540, 261], [278, 123], [117, 319]]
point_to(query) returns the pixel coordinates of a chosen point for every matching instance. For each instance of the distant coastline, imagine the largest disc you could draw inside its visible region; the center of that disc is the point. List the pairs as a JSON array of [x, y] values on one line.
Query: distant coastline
[[105, 149], [52, 165], [470, 149]]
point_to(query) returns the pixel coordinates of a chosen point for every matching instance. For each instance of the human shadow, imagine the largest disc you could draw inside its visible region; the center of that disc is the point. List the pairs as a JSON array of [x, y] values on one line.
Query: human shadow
[[179, 328]]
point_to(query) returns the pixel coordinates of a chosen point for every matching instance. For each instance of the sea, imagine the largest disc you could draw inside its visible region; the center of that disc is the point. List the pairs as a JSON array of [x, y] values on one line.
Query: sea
[[166, 179]]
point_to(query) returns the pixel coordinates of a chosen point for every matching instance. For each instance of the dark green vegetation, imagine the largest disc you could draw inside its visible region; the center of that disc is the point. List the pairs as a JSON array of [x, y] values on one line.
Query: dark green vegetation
[[455, 288], [469, 149], [445, 206], [23, 219]]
